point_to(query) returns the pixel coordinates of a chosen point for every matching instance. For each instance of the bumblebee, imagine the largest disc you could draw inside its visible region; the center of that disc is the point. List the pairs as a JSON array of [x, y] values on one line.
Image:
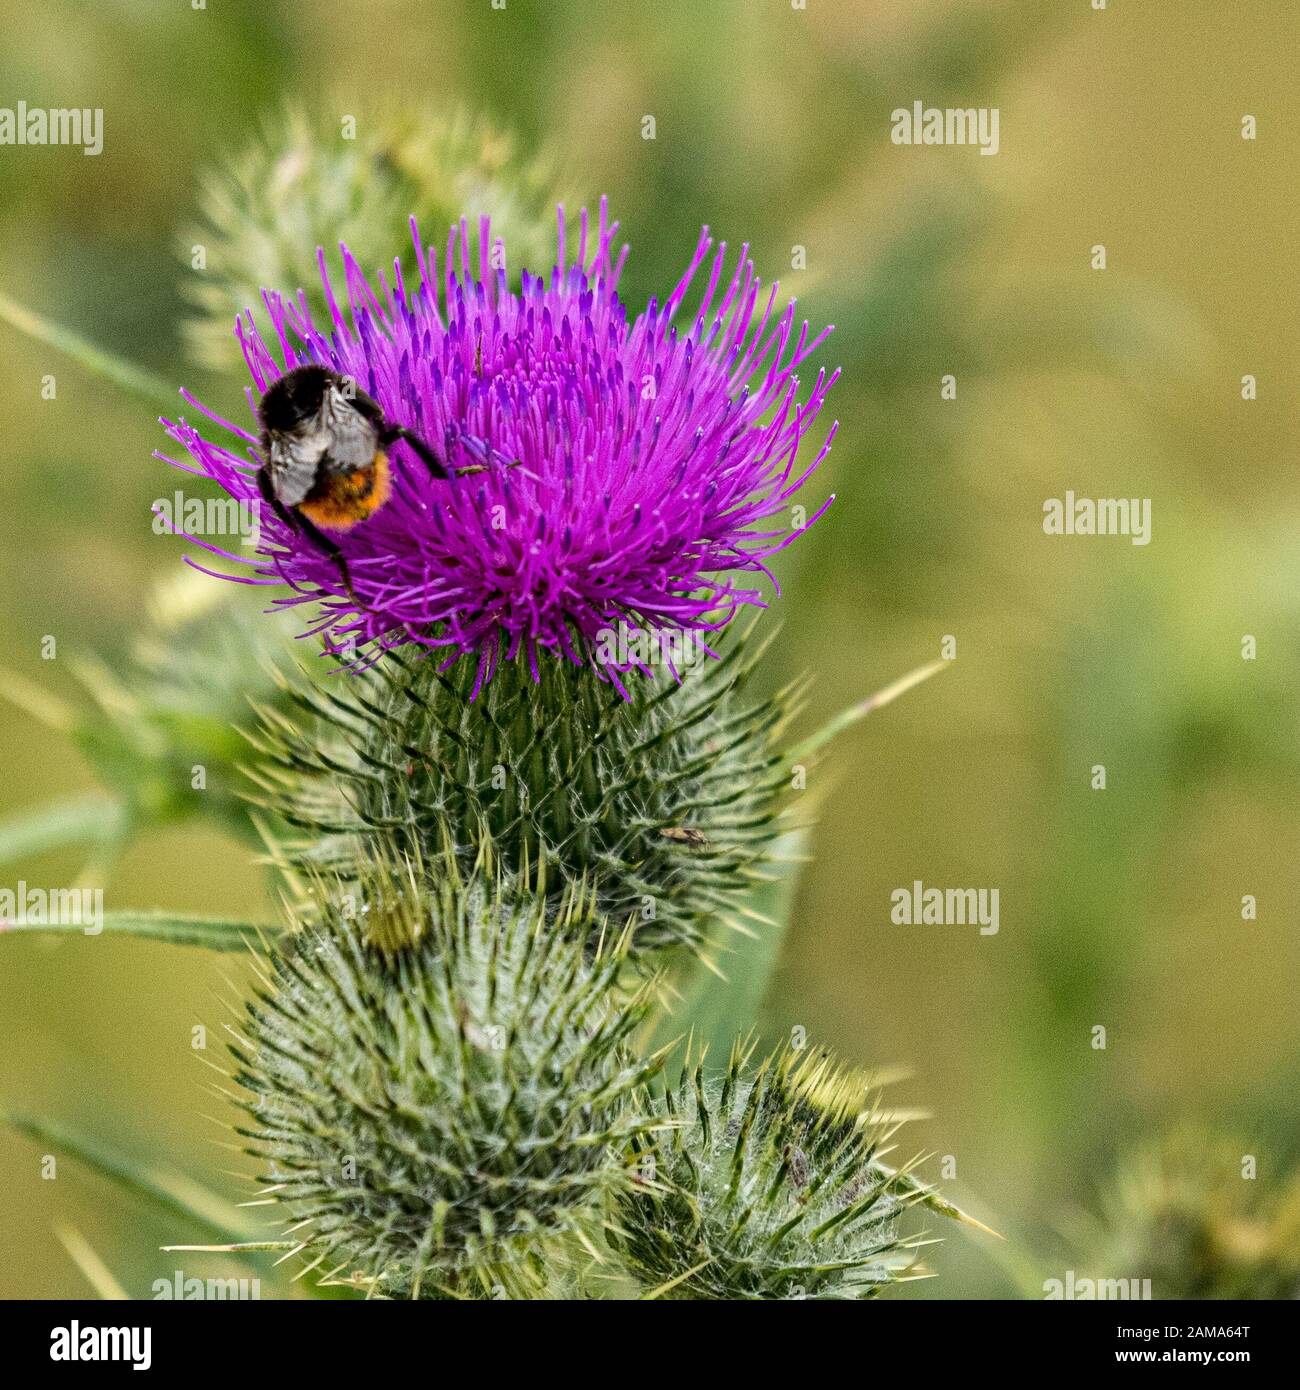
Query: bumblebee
[[324, 458]]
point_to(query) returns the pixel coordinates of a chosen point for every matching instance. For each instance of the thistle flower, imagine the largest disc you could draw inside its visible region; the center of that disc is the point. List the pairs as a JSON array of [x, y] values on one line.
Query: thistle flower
[[439, 1082], [636, 473], [768, 1185]]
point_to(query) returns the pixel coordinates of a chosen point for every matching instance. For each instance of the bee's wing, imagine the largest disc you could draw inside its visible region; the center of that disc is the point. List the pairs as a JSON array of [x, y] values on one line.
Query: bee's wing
[[294, 460], [352, 438]]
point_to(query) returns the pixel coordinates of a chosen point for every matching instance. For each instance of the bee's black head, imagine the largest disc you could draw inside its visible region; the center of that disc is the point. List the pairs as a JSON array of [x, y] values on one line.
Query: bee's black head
[[294, 397]]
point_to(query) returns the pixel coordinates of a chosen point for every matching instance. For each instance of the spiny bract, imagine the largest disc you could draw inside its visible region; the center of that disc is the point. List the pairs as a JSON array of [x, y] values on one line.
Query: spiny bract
[[664, 804], [428, 1109], [768, 1186]]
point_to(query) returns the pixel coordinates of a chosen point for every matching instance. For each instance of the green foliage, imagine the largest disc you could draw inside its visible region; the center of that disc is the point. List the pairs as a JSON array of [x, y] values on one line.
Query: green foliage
[[665, 804], [769, 1185], [446, 1079], [441, 1082], [71, 820], [718, 1000], [175, 1193], [161, 727], [176, 704], [720, 996], [110, 366], [304, 185]]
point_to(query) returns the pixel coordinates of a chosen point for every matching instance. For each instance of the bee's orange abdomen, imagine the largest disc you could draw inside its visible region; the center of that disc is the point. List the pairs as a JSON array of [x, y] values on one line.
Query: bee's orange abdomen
[[347, 498]]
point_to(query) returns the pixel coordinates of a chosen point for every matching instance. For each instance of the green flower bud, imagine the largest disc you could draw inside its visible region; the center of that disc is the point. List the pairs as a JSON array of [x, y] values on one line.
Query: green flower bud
[[769, 1185], [439, 1083], [312, 182]]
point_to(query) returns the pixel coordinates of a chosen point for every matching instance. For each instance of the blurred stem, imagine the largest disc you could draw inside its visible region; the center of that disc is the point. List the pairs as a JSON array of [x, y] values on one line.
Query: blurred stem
[[107, 850], [86, 1258], [91, 817], [172, 1191], [34, 700], [846, 719], [720, 1002], [97, 360]]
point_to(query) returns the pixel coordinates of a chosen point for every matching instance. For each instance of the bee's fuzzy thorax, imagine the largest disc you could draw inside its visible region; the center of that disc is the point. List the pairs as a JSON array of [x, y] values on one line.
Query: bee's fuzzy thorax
[[342, 500]]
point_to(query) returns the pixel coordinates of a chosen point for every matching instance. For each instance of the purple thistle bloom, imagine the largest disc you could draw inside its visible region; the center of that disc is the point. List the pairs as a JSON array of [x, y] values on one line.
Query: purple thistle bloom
[[638, 472]]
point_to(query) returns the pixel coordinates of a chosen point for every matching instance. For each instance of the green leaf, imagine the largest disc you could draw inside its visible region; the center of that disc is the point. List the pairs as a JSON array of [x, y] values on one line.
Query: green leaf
[[36, 701], [722, 1002], [164, 1188], [177, 929], [73, 821], [97, 360]]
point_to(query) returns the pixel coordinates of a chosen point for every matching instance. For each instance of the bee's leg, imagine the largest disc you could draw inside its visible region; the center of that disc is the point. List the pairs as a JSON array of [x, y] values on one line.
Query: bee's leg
[[295, 521], [330, 548], [437, 469]]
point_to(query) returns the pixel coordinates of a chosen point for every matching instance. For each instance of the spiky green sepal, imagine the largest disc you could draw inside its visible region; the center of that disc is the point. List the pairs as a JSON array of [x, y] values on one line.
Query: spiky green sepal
[[768, 1186], [665, 803], [428, 1113]]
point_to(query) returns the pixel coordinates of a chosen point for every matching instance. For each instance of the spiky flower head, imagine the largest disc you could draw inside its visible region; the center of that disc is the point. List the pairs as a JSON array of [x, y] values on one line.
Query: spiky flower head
[[637, 474], [663, 804], [307, 180], [440, 1081], [770, 1185], [1201, 1216]]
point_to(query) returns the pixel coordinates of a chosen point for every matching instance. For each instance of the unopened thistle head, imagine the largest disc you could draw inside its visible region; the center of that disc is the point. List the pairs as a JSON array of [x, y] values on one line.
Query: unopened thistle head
[[768, 1186], [1201, 1215], [438, 1083], [633, 475], [163, 733], [322, 177]]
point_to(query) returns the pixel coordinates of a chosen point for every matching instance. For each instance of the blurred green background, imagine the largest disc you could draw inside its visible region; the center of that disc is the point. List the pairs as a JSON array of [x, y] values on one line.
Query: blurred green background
[[1123, 907]]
